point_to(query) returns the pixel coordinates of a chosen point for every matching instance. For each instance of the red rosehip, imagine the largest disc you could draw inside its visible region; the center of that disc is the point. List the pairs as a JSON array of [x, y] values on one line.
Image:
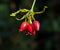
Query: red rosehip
[[36, 25], [23, 26], [33, 32], [29, 28]]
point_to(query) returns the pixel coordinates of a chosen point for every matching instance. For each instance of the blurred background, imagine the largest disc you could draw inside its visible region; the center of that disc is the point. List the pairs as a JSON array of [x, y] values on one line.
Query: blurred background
[[47, 38]]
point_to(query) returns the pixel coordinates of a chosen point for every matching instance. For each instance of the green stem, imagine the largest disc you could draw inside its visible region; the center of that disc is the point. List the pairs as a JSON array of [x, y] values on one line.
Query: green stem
[[33, 5]]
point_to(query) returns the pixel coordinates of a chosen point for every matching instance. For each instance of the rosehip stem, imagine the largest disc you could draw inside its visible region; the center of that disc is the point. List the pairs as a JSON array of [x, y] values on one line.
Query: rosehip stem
[[33, 5]]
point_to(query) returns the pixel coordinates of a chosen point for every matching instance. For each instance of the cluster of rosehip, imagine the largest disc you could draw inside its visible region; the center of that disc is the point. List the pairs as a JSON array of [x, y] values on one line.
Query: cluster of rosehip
[[31, 28], [28, 25]]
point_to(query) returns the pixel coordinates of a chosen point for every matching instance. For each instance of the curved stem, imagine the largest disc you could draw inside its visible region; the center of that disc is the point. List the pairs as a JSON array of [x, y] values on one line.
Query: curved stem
[[33, 5], [41, 11]]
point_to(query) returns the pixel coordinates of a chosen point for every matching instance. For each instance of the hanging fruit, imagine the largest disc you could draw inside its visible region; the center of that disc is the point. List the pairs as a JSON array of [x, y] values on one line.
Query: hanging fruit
[[31, 25]]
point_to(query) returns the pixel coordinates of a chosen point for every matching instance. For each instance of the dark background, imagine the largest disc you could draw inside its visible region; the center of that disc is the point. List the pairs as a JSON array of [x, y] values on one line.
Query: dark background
[[47, 38]]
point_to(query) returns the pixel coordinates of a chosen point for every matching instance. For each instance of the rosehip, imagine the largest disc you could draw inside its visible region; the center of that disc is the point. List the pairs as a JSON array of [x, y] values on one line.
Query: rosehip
[[29, 28], [34, 31], [23, 26], [36, 25]]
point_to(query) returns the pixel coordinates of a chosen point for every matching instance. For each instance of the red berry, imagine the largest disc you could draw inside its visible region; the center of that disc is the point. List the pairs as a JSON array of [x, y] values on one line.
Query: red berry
[[23, 26], [36, 25], [33, 32], [29, 28]]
